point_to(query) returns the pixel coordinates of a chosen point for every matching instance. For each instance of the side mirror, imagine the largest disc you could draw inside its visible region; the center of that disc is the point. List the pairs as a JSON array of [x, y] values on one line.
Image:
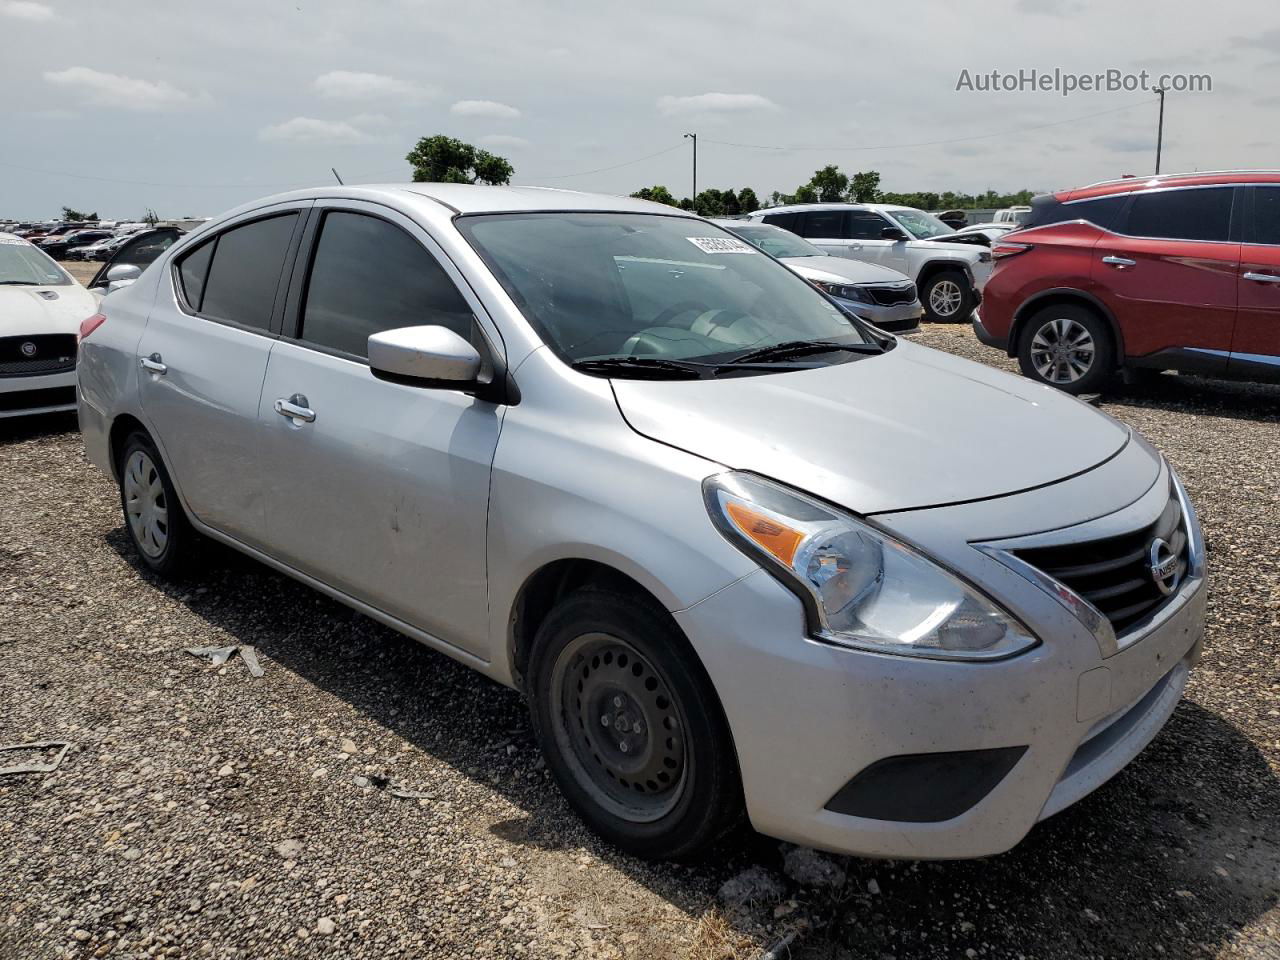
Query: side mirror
[[123, 272], [892, 233], [425, 357]]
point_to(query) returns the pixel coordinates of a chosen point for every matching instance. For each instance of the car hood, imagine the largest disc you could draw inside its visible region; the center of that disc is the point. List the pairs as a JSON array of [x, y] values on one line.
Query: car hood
[[842, 270], [911, 428], [25, 311]]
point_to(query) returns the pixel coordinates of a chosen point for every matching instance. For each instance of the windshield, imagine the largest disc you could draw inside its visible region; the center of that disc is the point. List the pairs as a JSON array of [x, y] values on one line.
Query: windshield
[[775, 241], [919, 224], [606, 285], [21, 263]]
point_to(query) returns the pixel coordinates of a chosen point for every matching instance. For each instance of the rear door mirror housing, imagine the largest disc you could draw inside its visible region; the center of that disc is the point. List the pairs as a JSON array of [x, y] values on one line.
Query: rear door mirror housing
[[427, 356]]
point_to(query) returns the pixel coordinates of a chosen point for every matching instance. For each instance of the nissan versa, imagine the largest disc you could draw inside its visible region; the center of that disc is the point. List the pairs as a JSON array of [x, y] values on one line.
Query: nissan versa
[[742, 553]]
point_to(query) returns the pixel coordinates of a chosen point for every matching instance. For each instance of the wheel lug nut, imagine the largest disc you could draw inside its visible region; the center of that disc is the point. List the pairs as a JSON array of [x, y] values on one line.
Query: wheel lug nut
[[617, 701], [622, 745], [637, 728], [604, 720]]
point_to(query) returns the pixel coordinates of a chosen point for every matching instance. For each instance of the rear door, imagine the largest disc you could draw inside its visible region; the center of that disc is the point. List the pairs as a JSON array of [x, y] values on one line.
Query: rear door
[[1169, 276], [203, 357], [383, 492], [1255, 349]]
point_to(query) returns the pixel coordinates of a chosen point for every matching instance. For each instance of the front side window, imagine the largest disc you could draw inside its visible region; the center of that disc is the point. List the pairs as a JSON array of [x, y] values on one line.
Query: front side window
[[1201, 214], [610, 285], [1266, 216], [242, 280], [368, 276], [919, 224], [22, 265], [867, 225]]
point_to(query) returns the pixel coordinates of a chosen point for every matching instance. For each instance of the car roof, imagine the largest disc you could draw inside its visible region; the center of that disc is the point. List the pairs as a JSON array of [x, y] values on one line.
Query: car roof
[[798, 207], [1205, 178], [466, 198]]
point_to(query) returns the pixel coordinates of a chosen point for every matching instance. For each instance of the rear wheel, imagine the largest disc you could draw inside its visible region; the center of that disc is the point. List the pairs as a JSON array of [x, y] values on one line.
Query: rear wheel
[[1067, 346], [947, 297], [157, 525], [631, 727]]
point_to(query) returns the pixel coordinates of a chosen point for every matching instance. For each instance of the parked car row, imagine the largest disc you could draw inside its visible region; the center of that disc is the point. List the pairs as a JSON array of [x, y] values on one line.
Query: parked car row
[[745, 554]]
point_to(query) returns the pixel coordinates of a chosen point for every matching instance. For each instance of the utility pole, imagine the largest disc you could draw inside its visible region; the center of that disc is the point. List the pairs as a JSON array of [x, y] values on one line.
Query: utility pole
[[1160, 127], [694, 138]]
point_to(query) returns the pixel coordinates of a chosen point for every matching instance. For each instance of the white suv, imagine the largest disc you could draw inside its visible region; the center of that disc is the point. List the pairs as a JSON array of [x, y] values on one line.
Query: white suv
[[950, 276]]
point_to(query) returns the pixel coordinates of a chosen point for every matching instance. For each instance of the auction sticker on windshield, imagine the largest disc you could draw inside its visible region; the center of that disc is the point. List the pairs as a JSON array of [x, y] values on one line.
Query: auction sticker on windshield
[[721, 245]]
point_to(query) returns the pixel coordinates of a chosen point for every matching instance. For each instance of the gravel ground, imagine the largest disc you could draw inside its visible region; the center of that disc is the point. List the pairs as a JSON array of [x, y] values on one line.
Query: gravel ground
[[203, 812]]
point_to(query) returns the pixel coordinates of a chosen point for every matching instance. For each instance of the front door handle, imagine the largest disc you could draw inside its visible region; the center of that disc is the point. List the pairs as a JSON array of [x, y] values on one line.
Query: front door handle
[[1120, 261], [1262, 277], [296, 408], [152, 364]]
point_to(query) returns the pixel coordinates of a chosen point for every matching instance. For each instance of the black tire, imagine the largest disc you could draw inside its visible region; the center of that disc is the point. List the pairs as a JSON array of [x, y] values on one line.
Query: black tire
[[696, 795], [1050, 323], [948, 281], [172, 558]]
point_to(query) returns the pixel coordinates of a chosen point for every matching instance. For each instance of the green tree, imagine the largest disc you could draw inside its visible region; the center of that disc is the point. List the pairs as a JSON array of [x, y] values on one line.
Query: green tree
[[803, 194], [747, 200], [829, 184], [730, 205], [442, 159], [71, 213], [656, 193], [865, 187]]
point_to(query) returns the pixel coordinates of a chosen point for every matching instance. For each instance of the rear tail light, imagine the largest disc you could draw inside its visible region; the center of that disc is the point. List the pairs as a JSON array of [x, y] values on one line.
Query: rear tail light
[[1007, 248], [90, 324]]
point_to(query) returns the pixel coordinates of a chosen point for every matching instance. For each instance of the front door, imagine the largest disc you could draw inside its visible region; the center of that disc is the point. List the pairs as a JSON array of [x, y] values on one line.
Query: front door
[[380, 490], [1170, 275], [1255, 348], [203, 356]]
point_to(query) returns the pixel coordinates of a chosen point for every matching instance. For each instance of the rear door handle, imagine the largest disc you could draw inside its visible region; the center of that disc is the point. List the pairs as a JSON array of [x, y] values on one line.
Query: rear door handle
[[1262, 277], [152, 364], [296, 409], [1120, 261]]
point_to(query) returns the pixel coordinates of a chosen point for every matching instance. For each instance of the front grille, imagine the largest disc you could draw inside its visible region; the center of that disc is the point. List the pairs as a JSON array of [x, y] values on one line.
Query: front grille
[[891, 296], [1115, 574], [44, 353]]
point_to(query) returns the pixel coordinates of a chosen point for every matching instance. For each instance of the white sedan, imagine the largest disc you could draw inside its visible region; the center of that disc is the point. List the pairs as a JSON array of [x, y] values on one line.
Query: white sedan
[[41, 308]]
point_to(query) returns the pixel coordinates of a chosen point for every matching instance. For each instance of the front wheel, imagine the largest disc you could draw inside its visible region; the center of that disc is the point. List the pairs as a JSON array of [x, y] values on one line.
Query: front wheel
[[948, 297], [1067, 346], [631, 726]]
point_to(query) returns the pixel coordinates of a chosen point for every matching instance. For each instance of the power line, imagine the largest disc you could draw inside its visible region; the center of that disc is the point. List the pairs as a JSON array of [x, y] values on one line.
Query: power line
[[935, 143], [616, 166]]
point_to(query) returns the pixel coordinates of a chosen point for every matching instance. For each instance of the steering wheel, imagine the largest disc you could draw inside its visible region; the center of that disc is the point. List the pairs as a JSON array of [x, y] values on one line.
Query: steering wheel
[[684, 306]]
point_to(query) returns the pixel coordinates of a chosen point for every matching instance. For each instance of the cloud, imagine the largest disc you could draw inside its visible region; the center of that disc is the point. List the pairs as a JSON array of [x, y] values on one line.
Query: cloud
[[500, 140], [371, 120], [26, 10], [1128, 143], [114, 90], [484, 108], [1052, 8], [353, 85], [311, 130], [714, 103], [1265, 40]]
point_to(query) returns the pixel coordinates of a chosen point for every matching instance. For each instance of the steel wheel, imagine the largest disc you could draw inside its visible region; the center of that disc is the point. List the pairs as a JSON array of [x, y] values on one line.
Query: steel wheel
[[619, 727], [146, 506], [945, 298], [1062, 351]]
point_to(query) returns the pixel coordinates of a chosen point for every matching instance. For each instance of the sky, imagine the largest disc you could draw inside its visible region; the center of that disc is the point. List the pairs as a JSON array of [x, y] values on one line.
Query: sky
[[190, 108]]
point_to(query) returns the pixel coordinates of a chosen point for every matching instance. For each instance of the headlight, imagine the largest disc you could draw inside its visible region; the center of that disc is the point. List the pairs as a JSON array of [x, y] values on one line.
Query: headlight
[[984, 256], [843, 291], [861, 587]]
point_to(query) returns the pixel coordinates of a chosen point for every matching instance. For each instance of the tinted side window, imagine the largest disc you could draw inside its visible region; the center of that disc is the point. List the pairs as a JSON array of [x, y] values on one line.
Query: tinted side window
[[193, 270], [242, 280], [866, 225], [367, 276], [825, 223], [1203, 214], [787, 221], [1266, 216], [143, 250]]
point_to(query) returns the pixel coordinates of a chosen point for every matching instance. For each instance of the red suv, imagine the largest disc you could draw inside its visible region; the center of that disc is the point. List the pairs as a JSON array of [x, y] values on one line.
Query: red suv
[[1170, 273]]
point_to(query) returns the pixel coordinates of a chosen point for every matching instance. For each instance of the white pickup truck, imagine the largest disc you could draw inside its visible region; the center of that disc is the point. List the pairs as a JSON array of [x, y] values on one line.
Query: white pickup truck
[[949, 276]]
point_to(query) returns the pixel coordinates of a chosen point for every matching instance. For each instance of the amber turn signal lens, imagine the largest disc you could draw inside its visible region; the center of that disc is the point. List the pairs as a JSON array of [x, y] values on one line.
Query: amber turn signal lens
[[781, 541]]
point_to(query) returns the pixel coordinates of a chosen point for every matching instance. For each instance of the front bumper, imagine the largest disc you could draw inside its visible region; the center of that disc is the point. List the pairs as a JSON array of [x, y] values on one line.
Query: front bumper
[[985, 336], [27, 396], [897, 318], [808, 717]]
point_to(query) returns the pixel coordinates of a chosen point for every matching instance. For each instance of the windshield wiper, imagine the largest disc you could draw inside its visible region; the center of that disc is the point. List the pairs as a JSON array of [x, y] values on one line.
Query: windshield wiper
[[647, 366], [20, 283], [799, 348]]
